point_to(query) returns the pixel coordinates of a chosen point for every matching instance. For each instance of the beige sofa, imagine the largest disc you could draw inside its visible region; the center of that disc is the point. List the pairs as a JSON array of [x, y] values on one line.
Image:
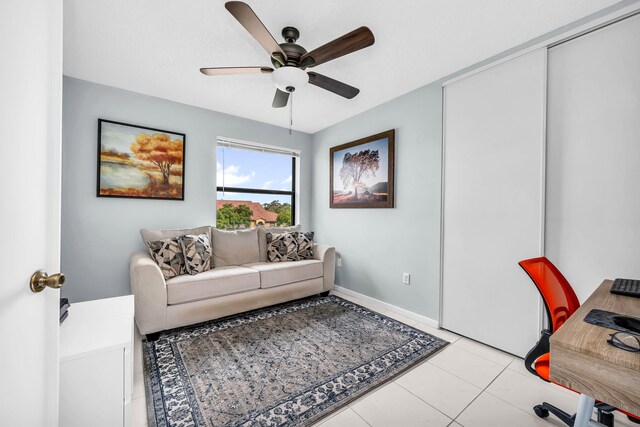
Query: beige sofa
[[241, 279]]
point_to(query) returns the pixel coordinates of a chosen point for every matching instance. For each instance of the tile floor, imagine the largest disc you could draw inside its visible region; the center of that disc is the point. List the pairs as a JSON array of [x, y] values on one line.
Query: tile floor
[[467, 384]]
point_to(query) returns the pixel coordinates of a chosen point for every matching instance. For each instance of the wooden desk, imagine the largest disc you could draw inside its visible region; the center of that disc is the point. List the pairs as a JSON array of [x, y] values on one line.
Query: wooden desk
[[582, 360]]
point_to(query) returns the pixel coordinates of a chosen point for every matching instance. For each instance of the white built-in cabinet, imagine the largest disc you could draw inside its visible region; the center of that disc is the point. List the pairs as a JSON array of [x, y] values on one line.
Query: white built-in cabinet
[[541, 156], [96, 363]]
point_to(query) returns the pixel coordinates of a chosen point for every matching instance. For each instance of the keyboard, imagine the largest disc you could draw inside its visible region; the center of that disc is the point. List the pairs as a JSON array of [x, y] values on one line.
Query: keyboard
[[627, 287]]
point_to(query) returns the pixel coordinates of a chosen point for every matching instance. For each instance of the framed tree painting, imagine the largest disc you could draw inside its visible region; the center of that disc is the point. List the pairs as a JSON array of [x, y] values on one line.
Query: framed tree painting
[[139, 162], [361, 172]]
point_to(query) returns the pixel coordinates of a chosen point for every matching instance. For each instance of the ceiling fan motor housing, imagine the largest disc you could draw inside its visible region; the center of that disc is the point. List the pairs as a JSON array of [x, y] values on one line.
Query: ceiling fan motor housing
[[290, 77], [294, 51]]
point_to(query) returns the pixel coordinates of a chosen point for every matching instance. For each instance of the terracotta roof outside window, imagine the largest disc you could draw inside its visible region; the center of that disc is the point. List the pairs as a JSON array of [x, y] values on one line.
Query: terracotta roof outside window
[[257, 211]]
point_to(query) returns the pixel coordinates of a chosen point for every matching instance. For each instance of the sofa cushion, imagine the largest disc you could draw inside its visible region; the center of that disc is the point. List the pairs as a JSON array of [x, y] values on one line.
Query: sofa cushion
[[235, 247], [212, 283], [262, 237], [149, 235], [167, 253], [282, 273], [197, 252], [282, 247], [305, 245]]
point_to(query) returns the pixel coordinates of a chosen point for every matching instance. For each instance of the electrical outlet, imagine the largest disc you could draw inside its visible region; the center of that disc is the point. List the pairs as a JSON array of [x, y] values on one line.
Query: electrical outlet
[[406, 278], [339, 262]]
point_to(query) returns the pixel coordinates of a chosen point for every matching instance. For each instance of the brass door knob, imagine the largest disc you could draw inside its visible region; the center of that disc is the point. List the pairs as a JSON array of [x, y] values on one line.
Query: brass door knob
[[40, 280]]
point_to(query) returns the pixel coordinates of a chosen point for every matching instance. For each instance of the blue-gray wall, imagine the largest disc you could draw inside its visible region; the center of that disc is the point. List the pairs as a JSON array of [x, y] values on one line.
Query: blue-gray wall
[[98, 233], [378, 245]]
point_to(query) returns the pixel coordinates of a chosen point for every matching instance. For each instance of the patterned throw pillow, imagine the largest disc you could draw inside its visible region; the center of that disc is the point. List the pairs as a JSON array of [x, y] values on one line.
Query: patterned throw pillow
[[305, 245], [197, 252], [167, 253], [282, 247]]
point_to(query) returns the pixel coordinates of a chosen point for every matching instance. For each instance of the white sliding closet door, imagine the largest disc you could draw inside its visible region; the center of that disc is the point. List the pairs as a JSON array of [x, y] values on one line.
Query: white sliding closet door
[[593, 171], [494, 202]]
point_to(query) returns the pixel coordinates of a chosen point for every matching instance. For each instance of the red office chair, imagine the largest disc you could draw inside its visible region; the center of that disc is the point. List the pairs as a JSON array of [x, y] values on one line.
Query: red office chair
[[561, 302]]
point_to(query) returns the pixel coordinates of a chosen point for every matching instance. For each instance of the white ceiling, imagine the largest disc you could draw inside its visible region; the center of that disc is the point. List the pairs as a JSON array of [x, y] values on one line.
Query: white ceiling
[[156, 47]]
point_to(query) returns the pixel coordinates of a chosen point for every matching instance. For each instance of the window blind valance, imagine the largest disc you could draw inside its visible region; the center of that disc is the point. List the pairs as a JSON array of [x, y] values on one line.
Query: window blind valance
[[255, 146]]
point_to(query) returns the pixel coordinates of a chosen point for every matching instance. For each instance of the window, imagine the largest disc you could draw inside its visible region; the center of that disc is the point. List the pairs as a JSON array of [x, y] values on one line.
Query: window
[[256, 185]]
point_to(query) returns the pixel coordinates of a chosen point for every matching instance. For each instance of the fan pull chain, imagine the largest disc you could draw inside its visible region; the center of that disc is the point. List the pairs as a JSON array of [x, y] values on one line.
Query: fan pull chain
[[290, 113]]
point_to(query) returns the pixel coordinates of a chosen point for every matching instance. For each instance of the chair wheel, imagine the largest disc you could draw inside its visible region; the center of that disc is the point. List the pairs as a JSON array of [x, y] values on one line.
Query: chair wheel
[[540, 411]]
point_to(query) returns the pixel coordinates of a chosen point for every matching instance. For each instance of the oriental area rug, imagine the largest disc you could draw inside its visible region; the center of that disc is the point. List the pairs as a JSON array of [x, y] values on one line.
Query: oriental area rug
[[285, 365]]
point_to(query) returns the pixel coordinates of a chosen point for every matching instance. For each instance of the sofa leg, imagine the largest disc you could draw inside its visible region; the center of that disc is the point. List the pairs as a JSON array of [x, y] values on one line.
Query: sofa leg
[[324, 294], [153, 337]]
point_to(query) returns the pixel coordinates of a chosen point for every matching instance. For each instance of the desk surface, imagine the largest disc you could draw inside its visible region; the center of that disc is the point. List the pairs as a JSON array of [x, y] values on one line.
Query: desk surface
[[582, 360]]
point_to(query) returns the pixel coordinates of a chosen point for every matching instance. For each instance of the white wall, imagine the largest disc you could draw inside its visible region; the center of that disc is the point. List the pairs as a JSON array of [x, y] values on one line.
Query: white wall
[[99, 234]]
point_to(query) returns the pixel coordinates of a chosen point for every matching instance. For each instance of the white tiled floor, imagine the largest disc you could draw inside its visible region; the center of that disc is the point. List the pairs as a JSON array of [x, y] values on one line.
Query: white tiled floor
[[467, 384]]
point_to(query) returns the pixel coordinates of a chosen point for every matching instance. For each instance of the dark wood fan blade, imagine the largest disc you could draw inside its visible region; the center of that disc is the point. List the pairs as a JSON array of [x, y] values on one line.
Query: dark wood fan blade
[[280, 99], [225, 71], [355, 40], [250, 21], [333, 85]]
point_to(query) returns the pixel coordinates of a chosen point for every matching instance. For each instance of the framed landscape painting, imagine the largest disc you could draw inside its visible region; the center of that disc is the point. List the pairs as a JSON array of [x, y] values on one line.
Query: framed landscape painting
[[361, 172], [139, 162]]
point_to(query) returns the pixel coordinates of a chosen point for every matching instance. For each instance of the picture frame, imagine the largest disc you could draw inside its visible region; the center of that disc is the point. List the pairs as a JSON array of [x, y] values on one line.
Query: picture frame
[[361, 173], [139, 162]]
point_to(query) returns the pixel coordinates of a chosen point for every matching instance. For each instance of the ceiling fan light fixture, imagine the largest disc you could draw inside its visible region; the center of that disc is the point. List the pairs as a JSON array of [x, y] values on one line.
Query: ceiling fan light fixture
[[289, 78]]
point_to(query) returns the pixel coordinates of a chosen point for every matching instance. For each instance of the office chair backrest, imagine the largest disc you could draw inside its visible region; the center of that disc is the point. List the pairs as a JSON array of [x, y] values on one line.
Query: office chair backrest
[[556, 291]]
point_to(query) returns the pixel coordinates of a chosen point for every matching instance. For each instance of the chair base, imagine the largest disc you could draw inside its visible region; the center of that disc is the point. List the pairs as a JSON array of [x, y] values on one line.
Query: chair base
[[545, 409], [605, 417]]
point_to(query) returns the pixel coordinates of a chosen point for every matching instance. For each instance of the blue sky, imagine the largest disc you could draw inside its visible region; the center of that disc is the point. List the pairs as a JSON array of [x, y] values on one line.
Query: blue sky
[[252, 169], [381, 174]]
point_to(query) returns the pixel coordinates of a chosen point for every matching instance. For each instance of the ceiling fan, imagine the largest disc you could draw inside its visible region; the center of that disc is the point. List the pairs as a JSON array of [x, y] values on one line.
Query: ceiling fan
[[290, 59]]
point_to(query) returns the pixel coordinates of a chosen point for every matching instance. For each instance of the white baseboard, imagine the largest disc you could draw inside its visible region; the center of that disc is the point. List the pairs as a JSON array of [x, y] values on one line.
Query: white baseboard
[[406, 313]]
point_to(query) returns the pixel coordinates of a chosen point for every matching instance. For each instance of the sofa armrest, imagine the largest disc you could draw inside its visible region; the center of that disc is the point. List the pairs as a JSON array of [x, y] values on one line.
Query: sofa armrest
[[150, 290], [326, 254]]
